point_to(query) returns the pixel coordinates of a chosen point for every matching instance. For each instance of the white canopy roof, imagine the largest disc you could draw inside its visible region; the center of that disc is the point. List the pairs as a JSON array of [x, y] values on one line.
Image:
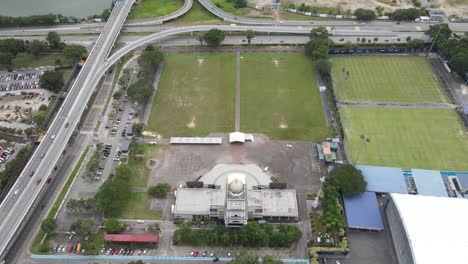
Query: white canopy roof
[[437, 227], [239, 137]]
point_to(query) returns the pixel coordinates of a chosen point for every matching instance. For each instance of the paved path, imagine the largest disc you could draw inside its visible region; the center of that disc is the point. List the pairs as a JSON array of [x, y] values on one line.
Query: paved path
[[237, 124], [398, 105]]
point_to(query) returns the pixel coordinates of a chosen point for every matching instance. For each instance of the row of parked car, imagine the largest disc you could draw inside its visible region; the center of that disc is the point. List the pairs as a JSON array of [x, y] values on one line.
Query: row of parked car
[[123, 251], [13, 76], [70, 249], [6, 154], [19, 86]]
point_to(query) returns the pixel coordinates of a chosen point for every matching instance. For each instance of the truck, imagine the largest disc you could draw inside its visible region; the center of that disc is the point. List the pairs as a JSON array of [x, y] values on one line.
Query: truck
[[423, 19], [78, 248]]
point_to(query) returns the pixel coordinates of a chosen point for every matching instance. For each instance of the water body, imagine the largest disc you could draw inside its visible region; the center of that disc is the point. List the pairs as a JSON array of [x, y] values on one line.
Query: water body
[[76, 8]]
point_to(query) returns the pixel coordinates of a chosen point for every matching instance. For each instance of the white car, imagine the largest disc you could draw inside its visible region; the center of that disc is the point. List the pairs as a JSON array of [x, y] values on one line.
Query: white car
[[16, 191], [52, 137], [140, 221]]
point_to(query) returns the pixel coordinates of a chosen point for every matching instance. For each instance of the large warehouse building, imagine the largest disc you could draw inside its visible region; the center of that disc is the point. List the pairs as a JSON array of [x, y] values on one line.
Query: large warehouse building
[[428, 229], [235, 194]]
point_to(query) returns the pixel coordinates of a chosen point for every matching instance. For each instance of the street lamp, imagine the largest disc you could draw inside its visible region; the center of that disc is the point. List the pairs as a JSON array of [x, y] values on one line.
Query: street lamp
[[364, 140]]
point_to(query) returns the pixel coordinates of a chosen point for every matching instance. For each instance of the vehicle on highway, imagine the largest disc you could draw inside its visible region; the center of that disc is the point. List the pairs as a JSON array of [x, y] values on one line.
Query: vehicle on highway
[[52, 137], [216, 259], [32, 173], [16, 191], [38, 181], [67, 124], [49, 180], [43, 155]]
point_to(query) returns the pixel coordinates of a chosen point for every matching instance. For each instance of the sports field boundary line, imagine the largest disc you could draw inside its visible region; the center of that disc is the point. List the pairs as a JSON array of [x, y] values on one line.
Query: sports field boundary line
[[397, 105]]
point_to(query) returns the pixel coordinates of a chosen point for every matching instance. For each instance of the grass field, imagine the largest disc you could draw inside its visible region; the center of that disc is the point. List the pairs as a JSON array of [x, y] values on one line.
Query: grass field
[[196, 95], [138, 167], [280, 97], [197, 15], [155, 8], [139, 208], [407, 137], [386, 79]]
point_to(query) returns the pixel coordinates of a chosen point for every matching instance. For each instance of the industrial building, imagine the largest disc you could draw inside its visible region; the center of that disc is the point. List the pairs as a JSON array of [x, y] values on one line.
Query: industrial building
[[428, 229], [235, 194]]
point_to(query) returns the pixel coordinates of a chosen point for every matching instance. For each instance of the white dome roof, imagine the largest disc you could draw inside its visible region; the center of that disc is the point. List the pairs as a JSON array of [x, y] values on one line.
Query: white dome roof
[[236, 186]]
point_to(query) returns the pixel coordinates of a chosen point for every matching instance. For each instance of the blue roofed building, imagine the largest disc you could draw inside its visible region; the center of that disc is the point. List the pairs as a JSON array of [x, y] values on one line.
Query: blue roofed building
[[363, 212], [384, 179], [429, 182]]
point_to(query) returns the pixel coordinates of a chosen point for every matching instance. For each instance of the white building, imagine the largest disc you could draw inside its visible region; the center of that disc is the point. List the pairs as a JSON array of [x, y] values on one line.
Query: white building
[[428, 229], [236, 194]]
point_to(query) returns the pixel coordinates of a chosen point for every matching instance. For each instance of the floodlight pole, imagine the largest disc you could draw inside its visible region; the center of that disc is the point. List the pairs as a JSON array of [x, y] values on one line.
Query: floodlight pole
[[364, 140], [434, 40]]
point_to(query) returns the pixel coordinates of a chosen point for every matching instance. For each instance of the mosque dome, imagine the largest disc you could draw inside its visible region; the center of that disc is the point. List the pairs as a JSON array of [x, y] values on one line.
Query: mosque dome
[[236, 186]]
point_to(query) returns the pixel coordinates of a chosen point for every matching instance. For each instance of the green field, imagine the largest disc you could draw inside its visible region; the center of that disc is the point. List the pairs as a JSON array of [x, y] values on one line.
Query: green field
[[280, 97], [407, 137], [138, 166], [196, 15], [155, 8], [139, 208], [386, 79], [196, 95]]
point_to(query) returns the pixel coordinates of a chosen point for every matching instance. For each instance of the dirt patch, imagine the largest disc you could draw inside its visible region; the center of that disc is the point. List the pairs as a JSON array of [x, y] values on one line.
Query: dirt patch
[[192, 123], [200, 61], [283, 123], [276, 62], [151, 134]]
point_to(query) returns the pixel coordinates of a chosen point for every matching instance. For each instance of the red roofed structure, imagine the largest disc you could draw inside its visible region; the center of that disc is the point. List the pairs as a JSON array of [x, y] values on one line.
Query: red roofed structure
[[132, 238]]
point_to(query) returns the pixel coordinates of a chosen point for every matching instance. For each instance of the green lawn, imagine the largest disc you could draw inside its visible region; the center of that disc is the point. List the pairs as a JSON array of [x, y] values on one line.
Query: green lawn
[[196, 95], [386, 79], [196, 15], [407, 137], [47, 59], [155, 8], [138, 208], [280, 97], [138, 167]]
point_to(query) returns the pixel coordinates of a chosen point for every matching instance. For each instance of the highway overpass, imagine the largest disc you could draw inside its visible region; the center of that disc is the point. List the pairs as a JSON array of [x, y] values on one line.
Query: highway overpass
[[15, 207]]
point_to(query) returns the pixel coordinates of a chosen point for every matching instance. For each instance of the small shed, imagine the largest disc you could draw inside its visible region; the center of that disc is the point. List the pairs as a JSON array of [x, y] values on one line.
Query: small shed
[[239, 137]]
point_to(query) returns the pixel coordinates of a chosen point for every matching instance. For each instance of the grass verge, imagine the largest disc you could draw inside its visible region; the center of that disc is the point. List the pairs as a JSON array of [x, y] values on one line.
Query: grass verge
[[155, 8], [138, 207], [197, 15], [138, 166]]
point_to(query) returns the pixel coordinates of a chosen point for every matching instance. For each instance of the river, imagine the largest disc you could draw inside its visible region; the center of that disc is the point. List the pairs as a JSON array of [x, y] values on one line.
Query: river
[[76, 8]]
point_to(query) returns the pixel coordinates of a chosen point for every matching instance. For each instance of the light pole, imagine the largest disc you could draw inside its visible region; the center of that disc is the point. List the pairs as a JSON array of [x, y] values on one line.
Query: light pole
[[434, 40], [364, 140]]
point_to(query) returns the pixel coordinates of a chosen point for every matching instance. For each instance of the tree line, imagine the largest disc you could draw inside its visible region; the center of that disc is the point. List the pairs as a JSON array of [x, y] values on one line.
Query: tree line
[[251, 235]]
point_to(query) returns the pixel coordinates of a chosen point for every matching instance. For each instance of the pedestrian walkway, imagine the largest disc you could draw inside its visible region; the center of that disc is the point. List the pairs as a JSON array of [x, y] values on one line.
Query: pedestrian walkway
[[237, 122], [397, 105]]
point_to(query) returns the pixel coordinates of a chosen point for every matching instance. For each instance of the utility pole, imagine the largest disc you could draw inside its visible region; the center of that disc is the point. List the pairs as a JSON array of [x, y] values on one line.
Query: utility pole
[[434, 40]]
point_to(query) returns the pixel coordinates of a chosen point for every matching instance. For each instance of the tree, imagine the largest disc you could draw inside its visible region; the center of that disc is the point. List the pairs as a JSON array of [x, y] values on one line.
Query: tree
[[405, 14], [214, 37], [138, 129], [415, 43], [364, 14], [240, 3], [149, 60], [459, 62], [379, 10], [48, 225], [35, 47], [249, 34], [324, 67], [113, 194], [363, 40], [74, 52], [53, 39], [52, 81], [348, 180], [441, 31], [6, 59], [160, 190], [113, 225], [82, 227], [317, 47], [153, 227], [22, 60], [140, 91], [136, 262]]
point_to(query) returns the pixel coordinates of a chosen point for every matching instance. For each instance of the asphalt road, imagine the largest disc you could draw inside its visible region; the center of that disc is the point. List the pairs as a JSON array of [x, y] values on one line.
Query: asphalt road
[[15, 207]]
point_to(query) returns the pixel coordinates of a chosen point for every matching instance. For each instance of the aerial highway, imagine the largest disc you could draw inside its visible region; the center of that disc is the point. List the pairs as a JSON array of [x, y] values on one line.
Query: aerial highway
[[18, 202]]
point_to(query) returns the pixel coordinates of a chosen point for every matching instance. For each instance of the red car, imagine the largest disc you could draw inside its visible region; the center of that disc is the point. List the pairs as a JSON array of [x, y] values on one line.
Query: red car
[[70, 249], [195, 254], [49, 180], [38, 181], [31, 173]]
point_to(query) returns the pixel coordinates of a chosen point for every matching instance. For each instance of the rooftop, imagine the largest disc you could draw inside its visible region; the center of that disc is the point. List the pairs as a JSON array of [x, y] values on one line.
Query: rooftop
[[274, 201], [198, 200], [129, 238], [429, 182], [363, 212], [436, 227], [383, 179]]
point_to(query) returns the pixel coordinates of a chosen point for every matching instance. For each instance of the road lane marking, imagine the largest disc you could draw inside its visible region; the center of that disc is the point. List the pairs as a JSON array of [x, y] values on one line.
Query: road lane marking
[[357, 28], [418, 28]]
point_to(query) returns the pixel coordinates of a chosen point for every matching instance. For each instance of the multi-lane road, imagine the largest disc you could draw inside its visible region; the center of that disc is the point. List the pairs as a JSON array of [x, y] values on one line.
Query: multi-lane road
[[17, 204]]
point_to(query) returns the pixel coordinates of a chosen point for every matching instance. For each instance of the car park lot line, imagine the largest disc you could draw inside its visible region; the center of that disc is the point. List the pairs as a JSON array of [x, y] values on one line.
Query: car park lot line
[[150, 258]]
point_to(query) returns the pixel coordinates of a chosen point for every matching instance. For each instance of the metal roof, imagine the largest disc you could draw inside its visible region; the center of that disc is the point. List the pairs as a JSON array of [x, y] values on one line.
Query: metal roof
[[239, 137], [429, 182], [131, 238], [197, 140], [383, 179], [363, 212]]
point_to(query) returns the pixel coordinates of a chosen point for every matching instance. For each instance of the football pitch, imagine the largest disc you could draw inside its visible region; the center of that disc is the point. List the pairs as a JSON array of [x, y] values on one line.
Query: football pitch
[[407, 137], [280, 97], [385, 79], [196, 95]]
